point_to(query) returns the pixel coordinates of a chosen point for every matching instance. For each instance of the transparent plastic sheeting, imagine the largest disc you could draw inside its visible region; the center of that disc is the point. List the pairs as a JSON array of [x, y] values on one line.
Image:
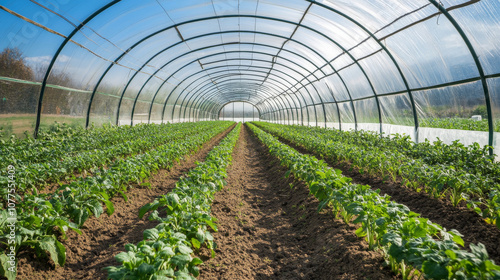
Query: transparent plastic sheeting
[[426, 68]]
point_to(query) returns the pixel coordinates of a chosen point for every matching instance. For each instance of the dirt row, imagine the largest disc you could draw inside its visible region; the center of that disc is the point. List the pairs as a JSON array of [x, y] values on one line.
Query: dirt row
[[269, 227], [104, 237], [463, 219]]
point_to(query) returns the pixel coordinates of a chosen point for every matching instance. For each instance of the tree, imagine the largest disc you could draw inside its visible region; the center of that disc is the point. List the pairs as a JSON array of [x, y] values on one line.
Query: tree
[[16, 97], [12, 65]]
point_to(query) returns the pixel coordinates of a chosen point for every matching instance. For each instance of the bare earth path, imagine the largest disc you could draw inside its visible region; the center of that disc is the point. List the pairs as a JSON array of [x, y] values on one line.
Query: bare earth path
[[104, 237], [269, 231]]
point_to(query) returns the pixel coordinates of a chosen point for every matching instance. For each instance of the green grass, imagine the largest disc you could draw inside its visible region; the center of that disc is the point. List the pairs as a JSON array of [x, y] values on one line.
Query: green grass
[[18, 124], [459, 123]]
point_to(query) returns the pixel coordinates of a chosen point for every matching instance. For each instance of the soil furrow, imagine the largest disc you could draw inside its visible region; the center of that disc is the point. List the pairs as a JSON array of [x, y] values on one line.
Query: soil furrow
[[269, 230], [463, 219], [104, 237]]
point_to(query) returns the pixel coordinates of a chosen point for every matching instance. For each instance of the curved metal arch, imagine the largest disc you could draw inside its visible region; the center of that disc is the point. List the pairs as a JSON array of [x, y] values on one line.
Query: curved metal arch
[[224, 105], [253, 16], [56, 56], [257, 107], [196, 118], [479, 68], [338, 74], [239, 70], [265, 61], [264, 104], [180, 42], [234, 79], [215, 93], [285, 74], [403, 77], [274, 35], [238, 80], [209, 101], [214, 106], [197, 19], [171, 46], [255, 93], [239, 59], [135, 101], [227, 90], [222, 66], [234, 101], [227, 103], [272, 19], [262, 88]]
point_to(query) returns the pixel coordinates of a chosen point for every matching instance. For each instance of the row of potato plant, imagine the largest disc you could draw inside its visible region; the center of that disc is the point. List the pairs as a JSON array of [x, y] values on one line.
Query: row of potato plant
[[166, 251], [64, 140], [34, 176], [41, 217], [413, 246], [472, 178]]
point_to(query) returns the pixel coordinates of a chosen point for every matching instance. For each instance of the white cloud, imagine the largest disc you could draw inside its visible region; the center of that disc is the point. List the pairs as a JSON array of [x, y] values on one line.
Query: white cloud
[[45, 60]]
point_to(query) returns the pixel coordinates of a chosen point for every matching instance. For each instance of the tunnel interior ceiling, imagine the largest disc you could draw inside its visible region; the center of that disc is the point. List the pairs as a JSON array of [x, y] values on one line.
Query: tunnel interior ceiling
[[415, 67]]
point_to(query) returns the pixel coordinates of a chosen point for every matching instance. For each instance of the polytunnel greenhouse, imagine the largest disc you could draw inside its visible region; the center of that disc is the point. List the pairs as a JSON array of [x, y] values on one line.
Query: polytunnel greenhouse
[[250, 139]]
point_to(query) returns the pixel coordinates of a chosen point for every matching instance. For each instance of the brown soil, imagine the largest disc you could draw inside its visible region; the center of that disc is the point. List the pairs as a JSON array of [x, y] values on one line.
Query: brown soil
[[268, 230], [104, 237], [463, 219]]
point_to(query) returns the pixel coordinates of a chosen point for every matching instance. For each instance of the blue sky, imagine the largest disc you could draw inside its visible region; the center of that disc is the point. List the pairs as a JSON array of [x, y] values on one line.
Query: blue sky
[[119, 21]]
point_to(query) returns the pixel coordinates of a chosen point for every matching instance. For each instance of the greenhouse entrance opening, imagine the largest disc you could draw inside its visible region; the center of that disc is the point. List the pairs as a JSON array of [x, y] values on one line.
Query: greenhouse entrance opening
[[239, 112]]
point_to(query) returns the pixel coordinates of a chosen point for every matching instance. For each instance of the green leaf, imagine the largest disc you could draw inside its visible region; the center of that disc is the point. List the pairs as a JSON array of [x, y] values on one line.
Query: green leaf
[[161, 277], [196, 261], [183, 276], [145, 269], [434, 270], [360, 232], [185, 250], [96, 207], [116, 273], [451, 254], [194, 270], [147, 250], [323, 204], [125, 198], [124, 257], [148, 207], [56, 250], [6, 268], [196, 243], [151, 234], [167, 252], [80, 216], [208, 236], [110, 209], [180, 260], [212, 225]]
